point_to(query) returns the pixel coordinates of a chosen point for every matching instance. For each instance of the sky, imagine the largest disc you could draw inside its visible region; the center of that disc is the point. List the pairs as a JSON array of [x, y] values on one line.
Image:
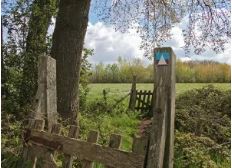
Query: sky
[[109, 44]]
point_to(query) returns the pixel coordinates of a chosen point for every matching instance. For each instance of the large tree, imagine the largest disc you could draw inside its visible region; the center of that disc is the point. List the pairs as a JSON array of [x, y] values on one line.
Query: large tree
[[68, 40]]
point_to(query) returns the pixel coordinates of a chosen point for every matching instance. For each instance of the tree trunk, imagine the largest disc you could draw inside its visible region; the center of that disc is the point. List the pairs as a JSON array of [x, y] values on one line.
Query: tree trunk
[[68, 40], [41, 14]]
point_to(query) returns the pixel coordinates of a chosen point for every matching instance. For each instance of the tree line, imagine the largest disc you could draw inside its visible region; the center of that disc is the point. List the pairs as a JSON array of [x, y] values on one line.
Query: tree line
[[186, 72]]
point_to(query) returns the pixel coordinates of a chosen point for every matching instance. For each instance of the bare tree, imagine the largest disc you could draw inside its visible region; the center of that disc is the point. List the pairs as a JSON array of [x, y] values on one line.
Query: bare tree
[[207, 21]]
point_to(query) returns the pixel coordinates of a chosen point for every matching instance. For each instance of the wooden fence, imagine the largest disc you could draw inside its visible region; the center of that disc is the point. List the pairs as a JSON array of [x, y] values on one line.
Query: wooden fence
[[41, 145]]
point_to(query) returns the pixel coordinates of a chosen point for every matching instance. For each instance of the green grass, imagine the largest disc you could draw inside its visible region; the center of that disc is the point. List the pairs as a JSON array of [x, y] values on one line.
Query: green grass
[[121, 89]]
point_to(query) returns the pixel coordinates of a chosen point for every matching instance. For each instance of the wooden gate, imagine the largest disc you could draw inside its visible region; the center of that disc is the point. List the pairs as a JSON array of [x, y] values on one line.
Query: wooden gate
[[141, 100], [41, 147], [144, 101]]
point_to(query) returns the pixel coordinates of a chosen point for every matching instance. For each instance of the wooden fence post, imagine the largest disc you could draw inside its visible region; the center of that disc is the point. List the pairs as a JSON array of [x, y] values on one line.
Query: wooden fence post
[[46, 102], [133, 94], [162, 132]]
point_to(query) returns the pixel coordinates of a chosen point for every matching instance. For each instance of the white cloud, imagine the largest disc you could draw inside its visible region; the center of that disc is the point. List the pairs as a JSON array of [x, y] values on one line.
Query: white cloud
[[108, 44]]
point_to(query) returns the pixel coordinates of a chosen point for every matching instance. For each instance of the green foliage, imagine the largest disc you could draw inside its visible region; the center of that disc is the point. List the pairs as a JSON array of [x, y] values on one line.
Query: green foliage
[[25, 25], [191, 72], [207, 111], [11, 142], [202, 136], [10, 160], [199, 152], [41, 13], [84, 77]]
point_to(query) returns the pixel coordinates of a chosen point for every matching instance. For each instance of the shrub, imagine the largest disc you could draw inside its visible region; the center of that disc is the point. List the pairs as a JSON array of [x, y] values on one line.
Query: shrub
[[204, 112]]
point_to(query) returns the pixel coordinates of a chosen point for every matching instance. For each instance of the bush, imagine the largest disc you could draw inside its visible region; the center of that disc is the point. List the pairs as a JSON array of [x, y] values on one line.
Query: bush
[[199, 152], [202, 136], [205, 112]]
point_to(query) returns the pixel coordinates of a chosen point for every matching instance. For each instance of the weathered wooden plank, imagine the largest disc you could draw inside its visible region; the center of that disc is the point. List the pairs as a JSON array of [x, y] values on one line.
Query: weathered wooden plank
[[139, 145], [169, 144], [45, 155], [89, 151], [73, 133], [56, 129], [115, 142], [162, 131], [92, 138], [29, 153], [46, 103], [51, 95]]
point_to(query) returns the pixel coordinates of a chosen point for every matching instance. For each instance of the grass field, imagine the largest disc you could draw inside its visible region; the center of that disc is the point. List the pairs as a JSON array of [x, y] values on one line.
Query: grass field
[[121, 89]]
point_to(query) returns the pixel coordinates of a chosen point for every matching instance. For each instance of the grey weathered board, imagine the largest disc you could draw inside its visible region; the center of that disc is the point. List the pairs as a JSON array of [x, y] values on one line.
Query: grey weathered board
[[46, 101], [162, 132]]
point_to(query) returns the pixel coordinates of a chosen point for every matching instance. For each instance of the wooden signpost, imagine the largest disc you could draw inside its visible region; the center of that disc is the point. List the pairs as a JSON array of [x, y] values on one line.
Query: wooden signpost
[[160, 152]]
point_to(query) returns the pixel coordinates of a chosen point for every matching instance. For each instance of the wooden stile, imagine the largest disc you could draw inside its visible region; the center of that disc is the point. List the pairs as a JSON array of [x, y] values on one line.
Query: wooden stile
[[86, 150], [41, 145]]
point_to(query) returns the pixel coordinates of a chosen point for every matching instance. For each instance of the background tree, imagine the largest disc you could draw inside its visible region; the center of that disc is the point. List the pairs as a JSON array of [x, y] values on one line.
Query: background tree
[[186, 72], [36, 45], [14, 30]]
